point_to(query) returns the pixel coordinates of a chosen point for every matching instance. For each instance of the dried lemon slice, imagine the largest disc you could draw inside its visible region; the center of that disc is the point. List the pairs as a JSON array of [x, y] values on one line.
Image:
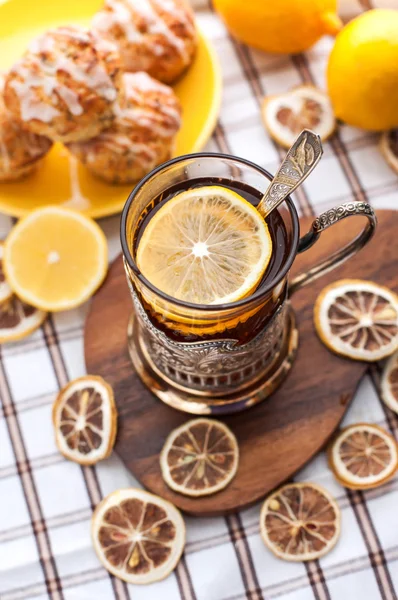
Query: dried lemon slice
[[304, 107], [5, 290], [199, 458], [389, 148], [18, 320], [206, 245], [85, 420], [55, 258], [300, 521], [389, 383], [358, 319], [363, 456], [138, 536]]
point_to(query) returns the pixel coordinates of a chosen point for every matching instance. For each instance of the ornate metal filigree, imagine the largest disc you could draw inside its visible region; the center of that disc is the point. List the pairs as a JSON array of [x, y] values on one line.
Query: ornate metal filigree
[[300, 160], [340, 212], [210, 365], [325, 220]]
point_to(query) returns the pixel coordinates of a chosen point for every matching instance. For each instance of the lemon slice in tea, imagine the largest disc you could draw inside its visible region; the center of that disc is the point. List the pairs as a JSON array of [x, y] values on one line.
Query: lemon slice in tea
[[358, 319], [300, 521], [363, 456], [199, 458], [138, 536], [389, 383], [85, 420], [206, 245]]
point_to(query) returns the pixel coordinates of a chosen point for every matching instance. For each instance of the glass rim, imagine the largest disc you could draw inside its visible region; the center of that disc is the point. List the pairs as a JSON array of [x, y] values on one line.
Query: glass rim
[[258, 294]]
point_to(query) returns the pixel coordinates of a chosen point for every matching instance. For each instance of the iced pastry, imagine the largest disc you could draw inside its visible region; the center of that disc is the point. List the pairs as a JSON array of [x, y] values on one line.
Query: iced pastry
[[156, 36], [141, 136], [65, 85]]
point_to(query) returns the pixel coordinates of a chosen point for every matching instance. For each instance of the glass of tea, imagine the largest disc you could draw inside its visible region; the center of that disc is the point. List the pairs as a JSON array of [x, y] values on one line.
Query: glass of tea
[[215, 357]]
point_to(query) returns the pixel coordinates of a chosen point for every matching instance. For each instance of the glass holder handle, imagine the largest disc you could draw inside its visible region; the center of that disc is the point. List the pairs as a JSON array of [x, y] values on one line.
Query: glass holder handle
[[325, 220]]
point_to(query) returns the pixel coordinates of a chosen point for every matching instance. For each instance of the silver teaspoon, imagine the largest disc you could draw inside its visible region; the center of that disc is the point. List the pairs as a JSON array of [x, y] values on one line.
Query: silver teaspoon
[[300, 160]]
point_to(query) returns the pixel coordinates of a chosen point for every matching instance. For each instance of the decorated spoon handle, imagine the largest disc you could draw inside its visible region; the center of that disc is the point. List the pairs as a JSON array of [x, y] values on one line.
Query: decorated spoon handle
[[301, 158]]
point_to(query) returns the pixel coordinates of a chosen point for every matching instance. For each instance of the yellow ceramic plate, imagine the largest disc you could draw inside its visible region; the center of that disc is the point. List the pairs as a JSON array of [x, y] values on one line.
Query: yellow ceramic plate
[[60, 180]]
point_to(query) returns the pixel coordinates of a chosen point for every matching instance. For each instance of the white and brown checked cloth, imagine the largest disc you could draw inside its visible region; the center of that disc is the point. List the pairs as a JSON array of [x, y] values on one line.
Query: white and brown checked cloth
[[46, 502]]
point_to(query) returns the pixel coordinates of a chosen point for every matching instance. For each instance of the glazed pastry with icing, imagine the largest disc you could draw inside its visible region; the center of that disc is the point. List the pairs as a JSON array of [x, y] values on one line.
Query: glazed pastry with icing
[[65, 85], [20, 150], [156, 36], [141, 136]]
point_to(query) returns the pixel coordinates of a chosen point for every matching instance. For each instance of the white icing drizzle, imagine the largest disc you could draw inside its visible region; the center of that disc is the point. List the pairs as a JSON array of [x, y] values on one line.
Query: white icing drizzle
[[43, 43], [71, 100], [119, 143], [75, 33], [31, 106], [143, 82], [177, 13], [23, 142], [76, 200], [120, 15], [122, 12], [47, 63]]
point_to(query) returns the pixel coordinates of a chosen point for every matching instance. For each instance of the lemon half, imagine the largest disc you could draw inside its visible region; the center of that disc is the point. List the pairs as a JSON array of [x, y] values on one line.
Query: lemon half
[[55, 258]]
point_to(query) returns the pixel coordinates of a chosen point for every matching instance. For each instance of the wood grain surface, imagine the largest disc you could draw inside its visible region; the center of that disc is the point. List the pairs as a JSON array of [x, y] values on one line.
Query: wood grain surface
[[276, 437]]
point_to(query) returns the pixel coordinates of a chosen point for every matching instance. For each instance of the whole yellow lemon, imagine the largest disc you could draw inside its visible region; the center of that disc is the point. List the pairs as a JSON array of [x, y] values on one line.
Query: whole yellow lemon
[[363, 71], [281, 26]]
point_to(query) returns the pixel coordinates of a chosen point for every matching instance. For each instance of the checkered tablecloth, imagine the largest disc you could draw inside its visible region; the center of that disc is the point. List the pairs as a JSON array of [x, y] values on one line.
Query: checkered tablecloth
[[46, 502]]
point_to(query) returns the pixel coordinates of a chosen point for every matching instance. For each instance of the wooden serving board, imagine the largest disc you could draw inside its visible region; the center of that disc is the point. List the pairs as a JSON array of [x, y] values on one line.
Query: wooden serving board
[[276, 437]]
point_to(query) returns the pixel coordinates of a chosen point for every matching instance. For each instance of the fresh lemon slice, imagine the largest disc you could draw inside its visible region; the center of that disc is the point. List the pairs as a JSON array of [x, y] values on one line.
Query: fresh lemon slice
[[55, 258], [138, 536], [358, 319], [303, 107], [85, 420], [300, 521], [389, 383], [206, 245], [200, 458], [363, 456]]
